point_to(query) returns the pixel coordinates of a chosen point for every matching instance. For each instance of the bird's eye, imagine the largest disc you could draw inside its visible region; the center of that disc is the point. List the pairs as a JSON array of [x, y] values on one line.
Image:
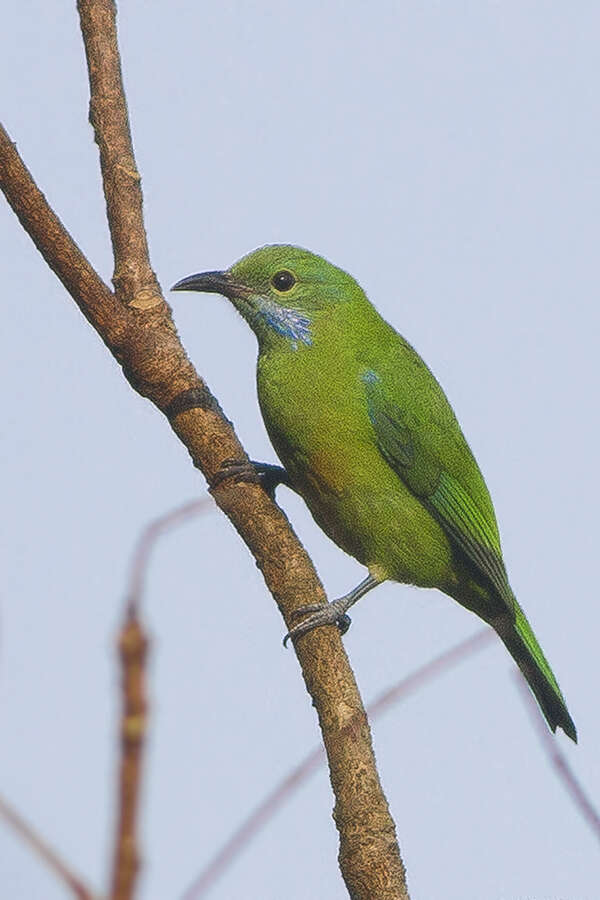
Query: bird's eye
[[283, 281]]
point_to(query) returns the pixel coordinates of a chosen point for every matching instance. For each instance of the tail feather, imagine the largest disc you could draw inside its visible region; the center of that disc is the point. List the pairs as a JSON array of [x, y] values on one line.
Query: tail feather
[[521, 643]]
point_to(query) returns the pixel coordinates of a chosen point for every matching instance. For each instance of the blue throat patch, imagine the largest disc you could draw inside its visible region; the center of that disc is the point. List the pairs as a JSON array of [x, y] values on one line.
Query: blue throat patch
[[370, 377], [289, 323]]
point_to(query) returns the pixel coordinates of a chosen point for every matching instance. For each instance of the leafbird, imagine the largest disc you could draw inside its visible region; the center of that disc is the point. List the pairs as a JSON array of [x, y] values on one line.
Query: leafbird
[[368, 438]]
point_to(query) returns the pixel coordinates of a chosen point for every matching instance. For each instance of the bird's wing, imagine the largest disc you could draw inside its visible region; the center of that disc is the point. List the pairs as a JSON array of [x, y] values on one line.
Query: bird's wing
[[427, 449]]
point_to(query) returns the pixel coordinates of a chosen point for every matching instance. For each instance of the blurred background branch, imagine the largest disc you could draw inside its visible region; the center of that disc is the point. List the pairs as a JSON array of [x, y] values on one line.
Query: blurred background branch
[[578, 796], [73, 882]]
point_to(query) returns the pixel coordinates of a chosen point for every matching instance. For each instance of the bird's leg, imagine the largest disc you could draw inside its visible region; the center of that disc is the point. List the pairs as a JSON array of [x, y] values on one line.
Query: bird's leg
[[271, 476], [333, 613], [266, 474]]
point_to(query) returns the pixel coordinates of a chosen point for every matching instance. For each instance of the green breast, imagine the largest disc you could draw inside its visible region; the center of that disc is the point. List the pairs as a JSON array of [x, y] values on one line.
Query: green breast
[[314, 406]]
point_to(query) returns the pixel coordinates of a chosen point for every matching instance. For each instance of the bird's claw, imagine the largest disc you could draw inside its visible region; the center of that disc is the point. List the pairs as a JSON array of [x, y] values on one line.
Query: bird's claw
[[267, 475], [234, 468], [322, 614], [304, 610]]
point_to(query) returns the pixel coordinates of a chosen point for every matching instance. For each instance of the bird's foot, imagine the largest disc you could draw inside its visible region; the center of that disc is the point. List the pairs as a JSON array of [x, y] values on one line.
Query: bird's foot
[[265, 474], [333, 613]]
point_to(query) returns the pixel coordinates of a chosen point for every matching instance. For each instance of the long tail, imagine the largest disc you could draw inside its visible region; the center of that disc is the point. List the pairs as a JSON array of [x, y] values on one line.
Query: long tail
[[522, 645]]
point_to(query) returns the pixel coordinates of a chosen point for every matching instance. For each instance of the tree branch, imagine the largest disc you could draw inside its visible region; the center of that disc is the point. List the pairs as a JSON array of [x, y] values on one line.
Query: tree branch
[[135, 282], [73, 881], [142, 337], [95, 300], [558, 760], [133, 649]]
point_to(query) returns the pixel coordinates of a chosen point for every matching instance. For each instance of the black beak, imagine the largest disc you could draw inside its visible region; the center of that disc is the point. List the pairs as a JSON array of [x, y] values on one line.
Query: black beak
[[209, 283]]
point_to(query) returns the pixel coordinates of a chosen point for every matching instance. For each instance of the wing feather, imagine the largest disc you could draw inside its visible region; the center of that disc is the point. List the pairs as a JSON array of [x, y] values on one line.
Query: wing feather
[[405, 443]]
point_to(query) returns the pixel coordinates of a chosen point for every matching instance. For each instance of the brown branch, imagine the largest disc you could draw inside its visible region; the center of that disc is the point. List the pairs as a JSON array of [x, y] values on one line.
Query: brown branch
[[142, 337], [558, 761], [60, 251], [135, 282], [73, 881], [264, 812], [133, 648]]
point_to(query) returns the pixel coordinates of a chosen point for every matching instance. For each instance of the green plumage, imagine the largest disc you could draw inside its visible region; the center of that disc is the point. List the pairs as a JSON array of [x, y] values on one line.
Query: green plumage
[[369, 440]]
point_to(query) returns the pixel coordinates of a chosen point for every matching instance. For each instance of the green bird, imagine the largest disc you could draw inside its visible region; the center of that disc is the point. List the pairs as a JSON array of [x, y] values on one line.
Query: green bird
[[367, 437]]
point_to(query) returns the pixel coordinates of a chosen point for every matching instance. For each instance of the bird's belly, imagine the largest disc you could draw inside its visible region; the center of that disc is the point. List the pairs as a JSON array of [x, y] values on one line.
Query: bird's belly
[[325, 440], [365, 508]]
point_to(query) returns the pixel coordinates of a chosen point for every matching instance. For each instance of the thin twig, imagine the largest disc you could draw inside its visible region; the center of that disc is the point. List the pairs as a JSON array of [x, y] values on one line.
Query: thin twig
[[253, 824], [72, 880], [559, 762], [145, 546], [133, 649], [281, 793], [430, 670]]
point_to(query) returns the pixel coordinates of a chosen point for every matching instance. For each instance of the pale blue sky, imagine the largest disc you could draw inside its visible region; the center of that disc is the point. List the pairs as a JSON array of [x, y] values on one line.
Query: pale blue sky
[[445, 154]]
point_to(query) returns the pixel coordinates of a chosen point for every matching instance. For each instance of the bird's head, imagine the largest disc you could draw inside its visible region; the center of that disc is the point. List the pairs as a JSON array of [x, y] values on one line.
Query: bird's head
[[281, 291]]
